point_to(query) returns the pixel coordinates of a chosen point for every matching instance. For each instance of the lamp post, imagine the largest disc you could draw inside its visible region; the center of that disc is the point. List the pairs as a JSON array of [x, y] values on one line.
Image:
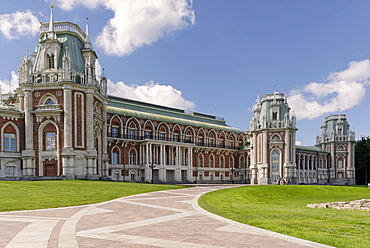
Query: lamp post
[[232, 169], [151, 167]]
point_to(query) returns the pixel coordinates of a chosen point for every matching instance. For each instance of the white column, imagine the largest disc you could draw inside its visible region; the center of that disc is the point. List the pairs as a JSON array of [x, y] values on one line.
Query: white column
[[147, 161], [67, 118], [105, 158], [190, 164], [253, 166], [177, 164], [332, 154], [162, 167], [91, 152], [28, 118], [287, 149], [265, 148], [67, 151], [90, 120], [29, 153]]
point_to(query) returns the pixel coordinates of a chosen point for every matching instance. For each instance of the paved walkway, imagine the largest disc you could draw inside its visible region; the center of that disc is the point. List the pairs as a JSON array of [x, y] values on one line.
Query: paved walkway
[[158, 219]]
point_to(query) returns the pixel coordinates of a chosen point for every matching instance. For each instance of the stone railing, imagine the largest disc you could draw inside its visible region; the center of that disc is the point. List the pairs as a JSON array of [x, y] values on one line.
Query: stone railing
[[363, 204]]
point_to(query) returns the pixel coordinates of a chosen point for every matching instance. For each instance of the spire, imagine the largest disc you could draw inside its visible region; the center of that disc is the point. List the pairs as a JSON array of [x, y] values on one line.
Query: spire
[[285, 96], [103, 73], [87, 30], [339, 117], [87, 40], [51, 23]]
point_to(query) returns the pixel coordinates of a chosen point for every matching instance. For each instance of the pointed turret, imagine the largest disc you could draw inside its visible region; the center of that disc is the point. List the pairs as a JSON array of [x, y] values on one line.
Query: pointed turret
[[51, 34], [66, 65], [87, 40]]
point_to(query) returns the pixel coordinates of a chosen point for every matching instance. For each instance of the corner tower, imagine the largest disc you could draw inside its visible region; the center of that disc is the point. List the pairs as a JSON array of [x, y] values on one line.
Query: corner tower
[[64, 105], [337, 139], [273, 133]]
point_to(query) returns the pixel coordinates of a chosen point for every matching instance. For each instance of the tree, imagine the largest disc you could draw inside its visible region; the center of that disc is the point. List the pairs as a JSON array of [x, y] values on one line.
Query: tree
[[362, 160]]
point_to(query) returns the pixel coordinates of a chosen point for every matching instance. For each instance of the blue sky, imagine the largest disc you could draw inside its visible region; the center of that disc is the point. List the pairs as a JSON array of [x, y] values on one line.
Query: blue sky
[[216, 56]]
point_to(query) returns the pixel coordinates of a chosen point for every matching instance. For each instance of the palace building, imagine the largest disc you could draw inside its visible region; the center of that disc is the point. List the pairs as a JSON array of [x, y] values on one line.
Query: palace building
[[61, 124]]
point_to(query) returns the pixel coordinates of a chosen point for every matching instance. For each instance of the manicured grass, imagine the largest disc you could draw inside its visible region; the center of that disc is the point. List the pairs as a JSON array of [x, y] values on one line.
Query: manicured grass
[[26, 195], [282, 208]]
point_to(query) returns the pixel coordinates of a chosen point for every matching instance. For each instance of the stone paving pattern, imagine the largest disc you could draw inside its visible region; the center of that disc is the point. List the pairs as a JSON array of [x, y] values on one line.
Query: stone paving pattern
[[158, 219]]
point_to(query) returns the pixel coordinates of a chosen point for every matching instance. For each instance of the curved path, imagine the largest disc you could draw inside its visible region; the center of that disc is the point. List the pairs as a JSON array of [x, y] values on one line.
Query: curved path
[[158, 219]]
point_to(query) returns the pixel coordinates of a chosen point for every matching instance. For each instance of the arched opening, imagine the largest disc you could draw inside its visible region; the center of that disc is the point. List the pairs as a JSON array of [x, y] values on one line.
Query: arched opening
[[275, 165]]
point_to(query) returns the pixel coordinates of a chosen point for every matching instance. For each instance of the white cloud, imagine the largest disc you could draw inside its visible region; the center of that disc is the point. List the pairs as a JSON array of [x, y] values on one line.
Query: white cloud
[[344, 90], [137, 23], [18, 24], [9, 85], [151, 92], [70, 4], [298, 143]]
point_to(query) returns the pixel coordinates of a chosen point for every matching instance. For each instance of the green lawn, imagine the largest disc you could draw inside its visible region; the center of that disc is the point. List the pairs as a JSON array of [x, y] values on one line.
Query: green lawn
[[25, 195], [282, 208]]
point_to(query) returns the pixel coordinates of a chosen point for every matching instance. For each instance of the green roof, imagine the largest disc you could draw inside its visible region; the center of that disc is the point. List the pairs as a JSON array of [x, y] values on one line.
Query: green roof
[[172, 115], [310, 148], [75, 47]]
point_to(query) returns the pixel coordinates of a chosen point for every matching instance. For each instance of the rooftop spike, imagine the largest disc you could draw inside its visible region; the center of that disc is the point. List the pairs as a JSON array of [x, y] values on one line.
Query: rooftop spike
[[51, 23], [103, 73], [87, 30]]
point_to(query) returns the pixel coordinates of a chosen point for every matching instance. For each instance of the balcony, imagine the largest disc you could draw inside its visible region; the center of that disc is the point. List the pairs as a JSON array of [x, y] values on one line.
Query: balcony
[[171, 140]]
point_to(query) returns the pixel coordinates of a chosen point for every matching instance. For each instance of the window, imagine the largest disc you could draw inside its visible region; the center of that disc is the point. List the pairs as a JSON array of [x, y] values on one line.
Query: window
[[10, 171], [115, 132], [242, 162], [162, 136], [211, 162], [200, 140], [51, 61], [200, 161], [132, 157], [176, 137], [188, 138], [339, 131], [275, 164], [9, 142], [231, 142], [50, 141], [274, 116], [211, 141], [131, 133], [147, 134], [49, 102], [115, 158], [222, 162], [231, 162], [340, 163]]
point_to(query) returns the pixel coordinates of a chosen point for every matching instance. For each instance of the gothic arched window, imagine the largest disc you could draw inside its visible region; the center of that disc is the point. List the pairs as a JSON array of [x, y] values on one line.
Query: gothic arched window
[[51, 62], [49, 102]]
